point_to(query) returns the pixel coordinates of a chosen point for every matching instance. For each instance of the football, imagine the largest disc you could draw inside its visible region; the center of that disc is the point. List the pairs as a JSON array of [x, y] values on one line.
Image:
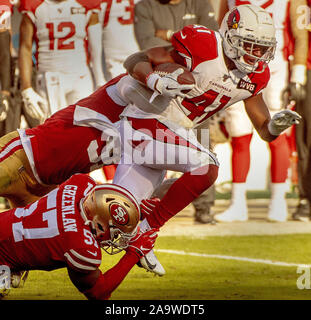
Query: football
[[185, 78]]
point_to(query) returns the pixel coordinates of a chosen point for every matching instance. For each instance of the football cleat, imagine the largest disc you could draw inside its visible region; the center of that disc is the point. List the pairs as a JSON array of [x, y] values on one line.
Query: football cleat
[[151, 263], [18, 279]]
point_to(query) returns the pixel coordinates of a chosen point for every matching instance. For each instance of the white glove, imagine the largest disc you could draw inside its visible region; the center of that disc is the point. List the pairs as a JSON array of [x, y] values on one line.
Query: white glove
[[36, 106], [168, 85], [283, 120]]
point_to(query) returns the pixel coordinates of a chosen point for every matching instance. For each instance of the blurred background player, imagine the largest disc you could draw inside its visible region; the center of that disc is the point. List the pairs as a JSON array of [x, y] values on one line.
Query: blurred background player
[[9, 110], [285, 15], [118, 42], [67, 34], [303, 137], [117, 18], [68, 227], [155, 23]]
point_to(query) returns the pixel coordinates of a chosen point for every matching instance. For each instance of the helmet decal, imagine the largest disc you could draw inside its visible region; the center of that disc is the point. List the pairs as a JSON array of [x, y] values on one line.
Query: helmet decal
[[118, 213], [233, 19]]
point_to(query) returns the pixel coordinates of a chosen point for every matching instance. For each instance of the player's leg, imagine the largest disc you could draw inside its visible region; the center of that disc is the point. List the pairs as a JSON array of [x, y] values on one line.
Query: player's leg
[[240, 130], [150, 145], [17, 182], [279, 147]]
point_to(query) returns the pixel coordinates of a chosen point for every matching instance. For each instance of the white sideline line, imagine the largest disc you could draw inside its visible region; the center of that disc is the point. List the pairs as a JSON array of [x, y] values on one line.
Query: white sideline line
[[218, 256]]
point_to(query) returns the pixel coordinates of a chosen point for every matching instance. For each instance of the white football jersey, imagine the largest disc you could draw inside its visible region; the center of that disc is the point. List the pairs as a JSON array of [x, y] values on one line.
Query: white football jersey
[[200, 49], [118, 28], [61, 32]]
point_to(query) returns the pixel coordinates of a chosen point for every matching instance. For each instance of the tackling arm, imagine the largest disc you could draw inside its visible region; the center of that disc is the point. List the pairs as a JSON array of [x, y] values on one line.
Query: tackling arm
[[98, 286]]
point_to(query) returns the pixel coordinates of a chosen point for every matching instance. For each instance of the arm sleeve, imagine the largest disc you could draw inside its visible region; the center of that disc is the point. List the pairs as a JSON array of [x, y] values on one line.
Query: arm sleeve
[[144, 28], [111, 279], [5, 61]]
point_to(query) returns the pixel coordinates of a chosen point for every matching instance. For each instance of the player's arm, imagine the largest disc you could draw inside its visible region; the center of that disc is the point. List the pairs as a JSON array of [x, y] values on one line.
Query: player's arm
[[141, 67], [94, 31], [36, 106], [98, 286], [268, 128], [298, 76], [25, 51]]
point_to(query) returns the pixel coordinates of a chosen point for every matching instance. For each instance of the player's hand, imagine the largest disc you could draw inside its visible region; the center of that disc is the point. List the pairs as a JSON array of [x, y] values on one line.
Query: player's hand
[[148, 206], [36, 106], [142, 243], [4, 106], [168, 85], [283, 120]]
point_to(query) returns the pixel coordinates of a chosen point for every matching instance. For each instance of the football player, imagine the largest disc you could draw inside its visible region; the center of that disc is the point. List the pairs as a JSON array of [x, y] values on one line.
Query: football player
[[118, 19], [68, 227], [238, 125], [65, 32], [229, 66]]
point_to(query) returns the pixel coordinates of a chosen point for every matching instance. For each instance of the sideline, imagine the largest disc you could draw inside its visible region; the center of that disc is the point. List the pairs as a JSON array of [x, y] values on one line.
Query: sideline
[[245, 259]]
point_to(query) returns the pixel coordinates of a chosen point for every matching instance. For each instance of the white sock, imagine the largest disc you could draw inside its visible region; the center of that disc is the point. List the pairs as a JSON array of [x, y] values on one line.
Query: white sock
[[278, 191], [238, 197]]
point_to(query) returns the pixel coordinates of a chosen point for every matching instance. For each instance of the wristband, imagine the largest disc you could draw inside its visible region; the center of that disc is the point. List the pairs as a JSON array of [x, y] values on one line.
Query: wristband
[[151, 80]]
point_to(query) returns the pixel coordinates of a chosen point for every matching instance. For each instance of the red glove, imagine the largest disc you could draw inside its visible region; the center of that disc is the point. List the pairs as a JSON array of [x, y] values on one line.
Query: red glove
[[142, 243], [148, 206]]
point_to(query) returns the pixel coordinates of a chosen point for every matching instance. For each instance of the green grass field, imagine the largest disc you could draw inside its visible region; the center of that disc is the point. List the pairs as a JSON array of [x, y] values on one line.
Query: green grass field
[[197, 277]]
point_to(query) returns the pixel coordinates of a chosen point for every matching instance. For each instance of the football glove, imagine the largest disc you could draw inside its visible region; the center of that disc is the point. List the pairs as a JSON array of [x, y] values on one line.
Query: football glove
[[168, 85], [36, 106], [148, 206], [142, 243], [283, 120]]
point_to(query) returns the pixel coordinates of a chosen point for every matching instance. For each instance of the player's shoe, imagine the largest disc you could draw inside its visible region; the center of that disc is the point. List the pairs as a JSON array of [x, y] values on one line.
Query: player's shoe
[[151, 263], [277, 211], [233, 213], [18, 279], [302, 212]]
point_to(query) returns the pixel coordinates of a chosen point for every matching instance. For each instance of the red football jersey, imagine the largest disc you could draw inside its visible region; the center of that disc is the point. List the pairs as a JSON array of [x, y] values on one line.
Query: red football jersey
[[50, 233], [73, 140]]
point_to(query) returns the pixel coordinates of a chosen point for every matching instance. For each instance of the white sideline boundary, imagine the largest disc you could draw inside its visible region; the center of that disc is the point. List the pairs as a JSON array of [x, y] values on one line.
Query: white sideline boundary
[[244, 259]]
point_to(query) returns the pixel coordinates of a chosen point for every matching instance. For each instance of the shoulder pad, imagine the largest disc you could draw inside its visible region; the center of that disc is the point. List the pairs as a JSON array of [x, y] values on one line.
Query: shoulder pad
[[197, 43]]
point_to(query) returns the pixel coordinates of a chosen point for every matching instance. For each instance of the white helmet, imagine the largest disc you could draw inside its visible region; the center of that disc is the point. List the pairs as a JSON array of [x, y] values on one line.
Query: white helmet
[[248, 37]]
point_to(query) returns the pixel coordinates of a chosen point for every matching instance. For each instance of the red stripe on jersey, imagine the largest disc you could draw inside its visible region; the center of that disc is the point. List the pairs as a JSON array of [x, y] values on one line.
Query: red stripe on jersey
[[14, 145], [160, 132]]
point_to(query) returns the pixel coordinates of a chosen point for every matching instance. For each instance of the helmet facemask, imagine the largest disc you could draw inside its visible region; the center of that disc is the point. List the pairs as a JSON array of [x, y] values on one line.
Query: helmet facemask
[[118, 241], [248, 38]]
